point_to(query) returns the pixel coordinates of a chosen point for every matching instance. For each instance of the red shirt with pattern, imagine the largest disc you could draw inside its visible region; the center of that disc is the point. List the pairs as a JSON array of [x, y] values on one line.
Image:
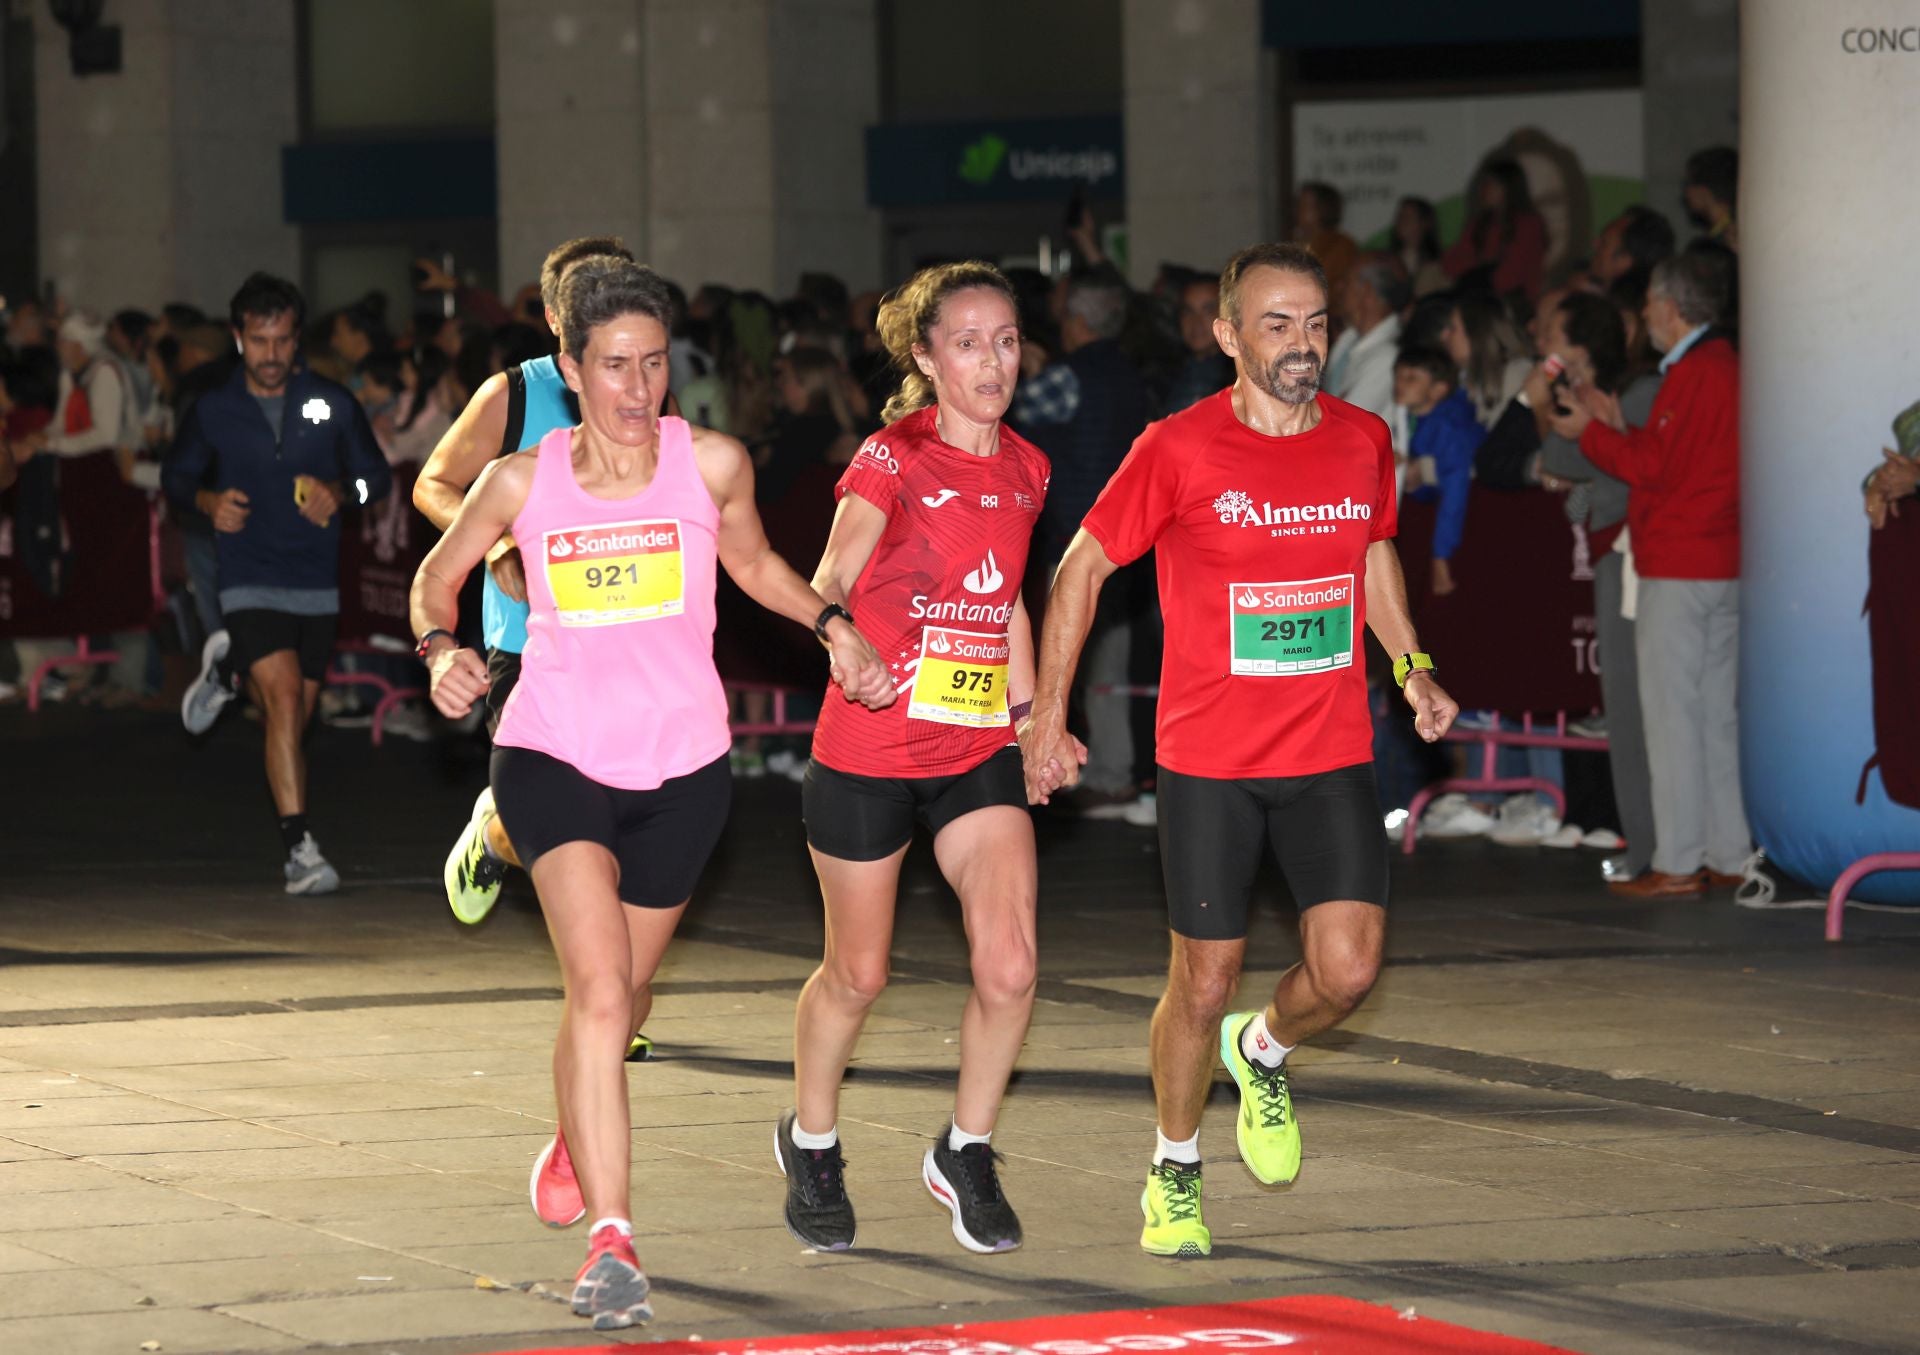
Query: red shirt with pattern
[[1260, 544], [935, 599]]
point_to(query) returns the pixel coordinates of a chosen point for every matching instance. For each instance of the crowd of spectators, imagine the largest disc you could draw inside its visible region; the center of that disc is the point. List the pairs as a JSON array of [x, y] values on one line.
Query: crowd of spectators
[[1492, 369]]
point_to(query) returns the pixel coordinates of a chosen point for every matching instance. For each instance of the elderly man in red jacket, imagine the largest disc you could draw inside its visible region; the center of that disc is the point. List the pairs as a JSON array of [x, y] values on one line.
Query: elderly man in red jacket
[[1682, 471]]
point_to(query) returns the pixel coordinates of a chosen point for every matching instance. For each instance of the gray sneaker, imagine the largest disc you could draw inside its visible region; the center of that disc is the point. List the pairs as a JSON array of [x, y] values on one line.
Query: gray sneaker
[[308, 871], [209, 694]]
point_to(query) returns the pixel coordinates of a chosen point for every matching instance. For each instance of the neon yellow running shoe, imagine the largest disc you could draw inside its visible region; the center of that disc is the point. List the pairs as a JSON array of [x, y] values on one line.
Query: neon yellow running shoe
[[640, 1050], [1171, 1203], [1268, 1135], [472, 876]]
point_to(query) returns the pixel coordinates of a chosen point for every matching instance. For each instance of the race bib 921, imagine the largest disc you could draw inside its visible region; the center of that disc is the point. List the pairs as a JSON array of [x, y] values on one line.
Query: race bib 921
[[608, 576]]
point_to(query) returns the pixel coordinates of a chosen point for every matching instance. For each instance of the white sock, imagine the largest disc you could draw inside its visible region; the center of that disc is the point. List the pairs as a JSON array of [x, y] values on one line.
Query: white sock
[[1258, 1044], [813, 1142], [624, 1225], [1176, 1150], [958, 1138]]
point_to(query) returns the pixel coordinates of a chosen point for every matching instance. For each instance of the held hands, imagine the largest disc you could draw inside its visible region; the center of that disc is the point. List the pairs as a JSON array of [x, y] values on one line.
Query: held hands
[[1052, 757], [456, 678], [1433, 710], [857, 669]]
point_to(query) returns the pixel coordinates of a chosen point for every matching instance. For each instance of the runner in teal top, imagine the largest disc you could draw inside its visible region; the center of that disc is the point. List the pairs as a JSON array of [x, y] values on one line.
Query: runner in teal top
[[543, 402]]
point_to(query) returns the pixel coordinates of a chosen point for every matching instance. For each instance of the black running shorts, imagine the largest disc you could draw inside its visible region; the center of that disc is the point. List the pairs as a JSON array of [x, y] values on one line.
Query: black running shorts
[[503, 671], [1325, 831], [256, 632], [660, 838], [865, 818]]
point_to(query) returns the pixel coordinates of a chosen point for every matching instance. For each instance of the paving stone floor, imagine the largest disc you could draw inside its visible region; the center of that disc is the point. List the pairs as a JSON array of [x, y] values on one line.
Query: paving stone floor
[[231, 1121]]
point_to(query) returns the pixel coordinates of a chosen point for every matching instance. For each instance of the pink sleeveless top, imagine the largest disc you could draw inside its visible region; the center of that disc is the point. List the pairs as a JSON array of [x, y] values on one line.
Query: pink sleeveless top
[[617, 678]]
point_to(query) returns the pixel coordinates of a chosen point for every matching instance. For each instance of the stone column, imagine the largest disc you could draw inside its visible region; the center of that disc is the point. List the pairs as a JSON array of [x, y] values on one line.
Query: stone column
[[1201, 121], [722, 139], [162, 182], [571, 126], [1690, 90], [234, 108]]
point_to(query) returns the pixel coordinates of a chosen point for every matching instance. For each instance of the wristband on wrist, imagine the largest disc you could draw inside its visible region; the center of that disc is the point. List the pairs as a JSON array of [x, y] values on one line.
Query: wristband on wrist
[[1020, 711], [832, 610], [426, 641], [1407, 665]]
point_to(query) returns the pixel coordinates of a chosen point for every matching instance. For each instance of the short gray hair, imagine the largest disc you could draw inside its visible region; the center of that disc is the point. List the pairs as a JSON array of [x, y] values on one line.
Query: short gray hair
[[602, 288], [1388, 278], [1695, 284], [1101, 303]]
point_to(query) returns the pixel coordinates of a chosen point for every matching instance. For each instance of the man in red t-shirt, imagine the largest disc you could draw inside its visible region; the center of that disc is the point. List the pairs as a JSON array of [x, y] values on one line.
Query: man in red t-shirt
[[1270, 510]]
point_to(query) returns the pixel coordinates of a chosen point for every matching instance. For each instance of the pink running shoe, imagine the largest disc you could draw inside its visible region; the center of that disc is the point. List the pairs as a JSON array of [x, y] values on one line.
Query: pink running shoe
[[611, 1288], [554, 1190]]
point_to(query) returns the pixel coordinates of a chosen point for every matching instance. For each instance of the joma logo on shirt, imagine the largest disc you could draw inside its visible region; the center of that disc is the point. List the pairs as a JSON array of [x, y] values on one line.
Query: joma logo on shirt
[[1236, 509]]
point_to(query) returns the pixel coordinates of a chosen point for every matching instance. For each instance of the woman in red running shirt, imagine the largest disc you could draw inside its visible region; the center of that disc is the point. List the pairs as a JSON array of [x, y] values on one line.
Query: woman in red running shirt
[[928, 549]]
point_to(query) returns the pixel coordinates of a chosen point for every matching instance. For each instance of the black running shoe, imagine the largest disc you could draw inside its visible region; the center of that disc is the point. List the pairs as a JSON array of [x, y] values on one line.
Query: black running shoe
[[818, 1210], [967, 1184]]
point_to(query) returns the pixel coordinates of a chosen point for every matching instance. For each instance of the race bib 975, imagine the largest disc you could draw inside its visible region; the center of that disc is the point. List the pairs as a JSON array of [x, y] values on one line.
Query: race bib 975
[[962, 678]]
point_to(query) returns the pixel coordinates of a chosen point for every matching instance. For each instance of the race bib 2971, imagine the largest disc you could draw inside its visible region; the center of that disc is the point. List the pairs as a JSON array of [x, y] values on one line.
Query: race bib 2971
[[1286, 629]]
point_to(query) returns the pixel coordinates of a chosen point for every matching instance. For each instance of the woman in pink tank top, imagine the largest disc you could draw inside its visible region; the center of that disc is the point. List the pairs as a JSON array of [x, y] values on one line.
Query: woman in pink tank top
[[610, 762]]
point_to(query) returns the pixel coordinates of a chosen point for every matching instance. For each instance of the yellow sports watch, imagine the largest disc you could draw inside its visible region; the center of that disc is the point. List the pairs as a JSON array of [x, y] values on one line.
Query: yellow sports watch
[[1407, 665]]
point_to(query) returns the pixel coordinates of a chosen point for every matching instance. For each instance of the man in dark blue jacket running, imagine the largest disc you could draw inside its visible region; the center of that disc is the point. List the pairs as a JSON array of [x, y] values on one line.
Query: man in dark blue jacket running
[[271, 457]]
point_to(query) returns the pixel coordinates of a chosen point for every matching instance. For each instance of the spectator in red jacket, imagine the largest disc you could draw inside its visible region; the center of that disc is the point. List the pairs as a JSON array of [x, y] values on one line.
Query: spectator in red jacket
[[1682, 471], [1506, 237]]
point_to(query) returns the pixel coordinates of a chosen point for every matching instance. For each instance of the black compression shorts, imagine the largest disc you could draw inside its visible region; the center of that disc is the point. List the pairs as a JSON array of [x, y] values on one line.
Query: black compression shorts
[[256, 632], [1325, 830], [865, 818], [503, 671], [660, 838]]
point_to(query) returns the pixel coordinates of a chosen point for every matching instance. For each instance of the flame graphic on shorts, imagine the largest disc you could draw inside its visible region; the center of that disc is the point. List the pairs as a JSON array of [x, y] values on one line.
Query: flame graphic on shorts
[[939, 644], [560, 548], [1249, 599], [987, 578]]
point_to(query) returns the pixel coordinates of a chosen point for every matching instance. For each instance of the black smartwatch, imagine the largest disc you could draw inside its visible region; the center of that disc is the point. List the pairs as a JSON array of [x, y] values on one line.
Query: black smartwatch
[[820, 622]]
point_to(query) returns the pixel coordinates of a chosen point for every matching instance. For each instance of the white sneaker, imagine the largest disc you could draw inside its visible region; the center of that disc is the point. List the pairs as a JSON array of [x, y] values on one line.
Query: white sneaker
[[308, 871], [408, 720], [1602, 840], [1567, 835], [1143, 812], [208, 695], [1454, 815], [1524, 821], [1614, 868]]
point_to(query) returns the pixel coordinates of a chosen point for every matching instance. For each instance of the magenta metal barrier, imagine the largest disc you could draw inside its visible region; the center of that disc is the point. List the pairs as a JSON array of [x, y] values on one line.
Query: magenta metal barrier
[[1491, 741], [781, 723], [1853, 875]]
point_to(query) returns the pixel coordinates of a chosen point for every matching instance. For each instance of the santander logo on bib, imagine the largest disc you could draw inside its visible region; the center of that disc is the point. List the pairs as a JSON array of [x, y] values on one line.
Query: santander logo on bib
[[986, 579], [623, 538]]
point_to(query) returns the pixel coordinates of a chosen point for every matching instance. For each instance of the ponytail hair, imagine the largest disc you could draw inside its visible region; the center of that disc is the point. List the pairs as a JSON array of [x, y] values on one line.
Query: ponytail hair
[[908, 316]]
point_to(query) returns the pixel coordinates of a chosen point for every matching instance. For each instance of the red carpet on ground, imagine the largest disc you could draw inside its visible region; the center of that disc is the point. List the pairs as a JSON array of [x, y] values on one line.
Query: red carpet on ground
[[1314, 1325]]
